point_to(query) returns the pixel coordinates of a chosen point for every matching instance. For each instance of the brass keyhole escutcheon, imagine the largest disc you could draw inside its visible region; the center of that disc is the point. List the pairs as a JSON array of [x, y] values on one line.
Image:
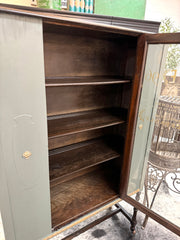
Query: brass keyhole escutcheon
[[140, 126], [27, 154]]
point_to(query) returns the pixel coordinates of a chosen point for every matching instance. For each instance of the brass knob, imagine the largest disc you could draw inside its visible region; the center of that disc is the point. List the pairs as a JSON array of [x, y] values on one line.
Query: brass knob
[[140, 126], [27, 154]]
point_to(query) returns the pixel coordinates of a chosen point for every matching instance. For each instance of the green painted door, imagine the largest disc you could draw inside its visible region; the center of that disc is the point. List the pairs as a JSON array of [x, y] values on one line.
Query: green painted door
[[24, 173]]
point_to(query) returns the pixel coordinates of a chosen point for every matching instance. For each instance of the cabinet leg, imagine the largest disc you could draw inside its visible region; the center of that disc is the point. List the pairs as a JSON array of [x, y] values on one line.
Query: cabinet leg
[[131, 218], [138, 196], [134, 217], [134, 221]]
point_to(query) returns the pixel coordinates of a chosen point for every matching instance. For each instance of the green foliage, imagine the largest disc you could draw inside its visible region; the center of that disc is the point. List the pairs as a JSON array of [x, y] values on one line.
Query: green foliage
[[173, 56], [167, 26]]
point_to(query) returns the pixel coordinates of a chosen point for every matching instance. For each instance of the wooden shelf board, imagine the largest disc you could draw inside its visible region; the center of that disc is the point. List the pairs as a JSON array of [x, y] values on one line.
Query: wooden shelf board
[[81, 195], [84, 121], [68, 160], [80, 81]]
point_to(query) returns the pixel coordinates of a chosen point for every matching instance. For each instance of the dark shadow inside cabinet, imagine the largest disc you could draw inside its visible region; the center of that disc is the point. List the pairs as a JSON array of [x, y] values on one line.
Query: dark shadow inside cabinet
[[88, 77]]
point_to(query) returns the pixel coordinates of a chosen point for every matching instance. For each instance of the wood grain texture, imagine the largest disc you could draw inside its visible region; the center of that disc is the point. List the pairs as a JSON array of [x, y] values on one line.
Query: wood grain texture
[[81, 219], [74, 198], [90, 33], [71, 99], [62, 141], [93, 56], [84, 121], [66, 140], [74, 158]]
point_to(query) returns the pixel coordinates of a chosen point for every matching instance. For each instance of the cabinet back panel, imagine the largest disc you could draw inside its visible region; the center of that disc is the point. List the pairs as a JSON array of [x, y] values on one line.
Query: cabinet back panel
[[62, 100], [84, 136], [75, 138], [69, 54]]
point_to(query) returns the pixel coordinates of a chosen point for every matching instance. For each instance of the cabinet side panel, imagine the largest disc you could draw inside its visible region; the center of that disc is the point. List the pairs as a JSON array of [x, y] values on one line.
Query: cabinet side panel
[[23, 128]]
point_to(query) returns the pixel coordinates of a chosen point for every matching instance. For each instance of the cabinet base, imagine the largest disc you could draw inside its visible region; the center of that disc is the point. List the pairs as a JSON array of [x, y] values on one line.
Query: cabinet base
[[119, 208]]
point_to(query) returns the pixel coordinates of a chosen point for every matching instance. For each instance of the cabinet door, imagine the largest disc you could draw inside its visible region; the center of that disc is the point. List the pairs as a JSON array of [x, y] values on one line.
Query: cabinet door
[[24, 174], [153, 50], [153, 76]]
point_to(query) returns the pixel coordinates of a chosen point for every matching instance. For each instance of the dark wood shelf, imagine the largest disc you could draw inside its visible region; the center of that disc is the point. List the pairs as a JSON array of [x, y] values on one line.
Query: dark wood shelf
[[69, 160], [88, 96], [84, 193], [81, 81], [63, 125]]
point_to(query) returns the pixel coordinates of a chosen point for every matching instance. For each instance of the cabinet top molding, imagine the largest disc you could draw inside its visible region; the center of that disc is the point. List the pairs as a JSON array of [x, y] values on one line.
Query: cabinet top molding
[[78, 20]]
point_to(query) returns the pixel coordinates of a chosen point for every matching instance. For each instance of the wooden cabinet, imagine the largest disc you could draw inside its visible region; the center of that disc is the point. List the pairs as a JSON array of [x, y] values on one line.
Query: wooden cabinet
[[89, 77]]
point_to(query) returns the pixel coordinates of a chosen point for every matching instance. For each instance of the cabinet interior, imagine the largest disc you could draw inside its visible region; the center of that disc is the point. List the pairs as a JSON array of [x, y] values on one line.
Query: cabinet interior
[[88, 76]]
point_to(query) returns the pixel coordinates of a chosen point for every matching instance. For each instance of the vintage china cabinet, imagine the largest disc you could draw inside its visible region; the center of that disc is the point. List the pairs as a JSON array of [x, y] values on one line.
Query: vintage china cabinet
[[70, 96]]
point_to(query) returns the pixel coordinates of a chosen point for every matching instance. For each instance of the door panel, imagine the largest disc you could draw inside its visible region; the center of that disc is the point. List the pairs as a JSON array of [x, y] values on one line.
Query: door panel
[[152, 79], [25, 198], [155, 147]]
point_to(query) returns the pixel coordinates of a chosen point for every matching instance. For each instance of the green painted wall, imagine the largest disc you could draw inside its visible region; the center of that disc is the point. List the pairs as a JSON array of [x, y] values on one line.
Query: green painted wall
[[121, 8]]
